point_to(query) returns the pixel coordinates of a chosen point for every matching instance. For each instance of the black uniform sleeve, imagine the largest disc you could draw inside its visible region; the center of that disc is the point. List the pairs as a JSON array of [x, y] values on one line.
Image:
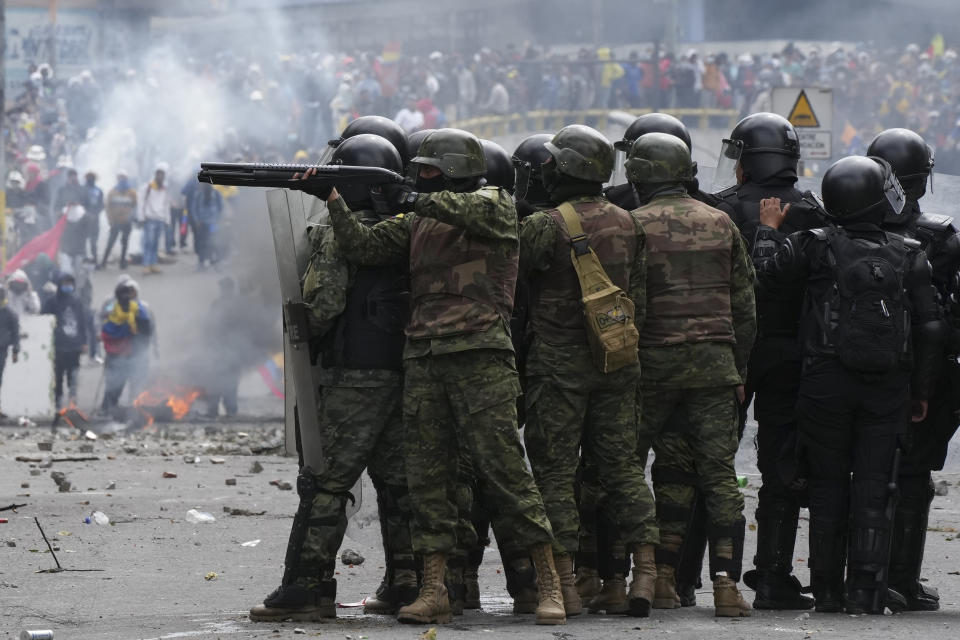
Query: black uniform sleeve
[[929, 331], [780, 260]]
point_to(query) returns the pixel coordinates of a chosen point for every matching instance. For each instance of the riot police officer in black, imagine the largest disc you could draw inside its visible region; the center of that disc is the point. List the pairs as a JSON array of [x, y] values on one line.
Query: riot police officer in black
[[870, 335], [760, 160], [912, 162]]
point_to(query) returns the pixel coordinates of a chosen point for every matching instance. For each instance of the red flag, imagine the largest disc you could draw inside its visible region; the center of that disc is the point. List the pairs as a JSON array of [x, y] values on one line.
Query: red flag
[[47, 242]]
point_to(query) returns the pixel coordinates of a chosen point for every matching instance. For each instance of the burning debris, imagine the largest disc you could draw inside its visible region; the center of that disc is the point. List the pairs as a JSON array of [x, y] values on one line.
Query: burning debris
[[165, 403]]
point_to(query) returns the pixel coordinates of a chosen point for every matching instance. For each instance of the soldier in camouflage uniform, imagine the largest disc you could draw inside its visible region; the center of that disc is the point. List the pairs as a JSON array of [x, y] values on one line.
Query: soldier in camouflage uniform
[[360, 408], [460, 380], [602, 553], [569, 401], [694, 346]]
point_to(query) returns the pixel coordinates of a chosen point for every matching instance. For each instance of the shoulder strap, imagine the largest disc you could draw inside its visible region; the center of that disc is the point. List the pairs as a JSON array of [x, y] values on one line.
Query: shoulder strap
[[579, 241], [593, 279]]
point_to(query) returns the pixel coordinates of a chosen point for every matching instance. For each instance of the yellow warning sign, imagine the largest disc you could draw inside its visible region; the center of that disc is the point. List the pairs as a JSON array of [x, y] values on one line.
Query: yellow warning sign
[[802, 115]]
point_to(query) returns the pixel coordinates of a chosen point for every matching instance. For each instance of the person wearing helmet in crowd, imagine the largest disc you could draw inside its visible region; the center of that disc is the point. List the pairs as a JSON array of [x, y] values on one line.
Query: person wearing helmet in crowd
[[518, 568], [759, 160], [911, 159], [694, 349], [870, 337], [461, 246], [602, 554], [70, 337], [357, 316], [9, 335], [376, 125], [530, 194], [569, 399], [21, 298], [623, 195]]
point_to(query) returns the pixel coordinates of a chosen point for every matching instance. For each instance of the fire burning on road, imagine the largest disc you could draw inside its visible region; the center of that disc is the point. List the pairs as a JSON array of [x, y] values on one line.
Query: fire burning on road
[[166, 403]]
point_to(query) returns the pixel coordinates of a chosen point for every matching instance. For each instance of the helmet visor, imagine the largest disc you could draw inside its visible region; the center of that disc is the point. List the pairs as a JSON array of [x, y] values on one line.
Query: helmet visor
[[892, 190], [619, 175], [327, 154], [523, 170], [725, 175]]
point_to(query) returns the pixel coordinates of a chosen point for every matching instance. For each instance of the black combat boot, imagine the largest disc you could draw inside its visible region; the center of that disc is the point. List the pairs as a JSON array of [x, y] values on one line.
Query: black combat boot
[[828, 555], [453, 581], [521, 581], [772, 581], [909, 540], [690, 566], [869, 554], [307, 591]]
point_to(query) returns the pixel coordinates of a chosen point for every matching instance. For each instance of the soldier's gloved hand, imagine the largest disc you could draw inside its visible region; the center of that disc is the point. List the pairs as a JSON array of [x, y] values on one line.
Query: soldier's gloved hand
[[302, 182], [401, 197]]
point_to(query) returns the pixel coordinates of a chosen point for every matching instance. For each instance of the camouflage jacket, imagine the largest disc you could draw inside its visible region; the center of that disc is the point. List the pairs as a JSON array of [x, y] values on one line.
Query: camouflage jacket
[[462, 250], [325, 284], [700, 290], [556, 311]]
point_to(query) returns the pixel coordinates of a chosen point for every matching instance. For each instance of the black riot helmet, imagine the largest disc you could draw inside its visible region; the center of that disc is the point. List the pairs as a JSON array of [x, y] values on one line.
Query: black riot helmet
[[414, 140], [765, 145], [379, 126], [500, 171], [909, 155], [527, 158], [861, 189], [653, 123], [366, 150]]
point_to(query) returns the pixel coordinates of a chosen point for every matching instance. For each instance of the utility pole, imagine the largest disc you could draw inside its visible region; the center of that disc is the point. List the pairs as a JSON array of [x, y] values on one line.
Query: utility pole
[[3, 117]]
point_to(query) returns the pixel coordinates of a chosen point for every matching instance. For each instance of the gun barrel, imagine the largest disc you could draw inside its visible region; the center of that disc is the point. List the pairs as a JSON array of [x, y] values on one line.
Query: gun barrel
[[258, 174]]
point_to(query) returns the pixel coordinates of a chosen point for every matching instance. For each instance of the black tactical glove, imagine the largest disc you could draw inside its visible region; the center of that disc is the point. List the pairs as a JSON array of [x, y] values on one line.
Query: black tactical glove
[[401, 197], [318, 188]]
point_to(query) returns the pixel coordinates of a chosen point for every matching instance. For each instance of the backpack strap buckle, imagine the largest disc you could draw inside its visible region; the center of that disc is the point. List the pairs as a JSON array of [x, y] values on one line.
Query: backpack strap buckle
[[580, 244]]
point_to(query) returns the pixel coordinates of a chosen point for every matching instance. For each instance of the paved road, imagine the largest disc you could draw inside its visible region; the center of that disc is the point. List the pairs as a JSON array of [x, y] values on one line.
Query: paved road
[[154, 562]]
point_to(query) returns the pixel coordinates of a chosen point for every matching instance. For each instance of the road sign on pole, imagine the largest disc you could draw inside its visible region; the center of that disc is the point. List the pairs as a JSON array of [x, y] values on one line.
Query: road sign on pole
[[810, 110]]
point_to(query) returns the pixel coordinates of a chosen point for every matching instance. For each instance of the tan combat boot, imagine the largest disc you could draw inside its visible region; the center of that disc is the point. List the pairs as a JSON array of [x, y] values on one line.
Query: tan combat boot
[[643, 585], [588, 582], [612, 597], [432, 605], [665, 590], [571, 599], [727, 599], [550, 608]]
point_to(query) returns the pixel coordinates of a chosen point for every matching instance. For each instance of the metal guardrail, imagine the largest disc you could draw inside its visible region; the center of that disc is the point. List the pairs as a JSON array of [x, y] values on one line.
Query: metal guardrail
[[543, 120]]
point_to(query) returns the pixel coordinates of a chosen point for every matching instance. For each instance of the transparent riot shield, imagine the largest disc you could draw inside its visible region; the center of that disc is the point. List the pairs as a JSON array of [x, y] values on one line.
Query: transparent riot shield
[[289, 213], [943, 195], [288, 223]]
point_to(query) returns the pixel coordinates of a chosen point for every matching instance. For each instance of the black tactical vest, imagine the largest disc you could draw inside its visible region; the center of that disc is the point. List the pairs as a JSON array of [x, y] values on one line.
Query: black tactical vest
[[369, 332]]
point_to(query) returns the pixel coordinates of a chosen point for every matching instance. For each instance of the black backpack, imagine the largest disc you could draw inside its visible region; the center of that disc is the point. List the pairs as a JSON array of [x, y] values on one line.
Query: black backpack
[[865, 316]]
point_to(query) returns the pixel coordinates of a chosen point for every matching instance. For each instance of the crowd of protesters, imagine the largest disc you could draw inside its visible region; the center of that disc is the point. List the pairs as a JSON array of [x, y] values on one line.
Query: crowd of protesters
[[151, 127]]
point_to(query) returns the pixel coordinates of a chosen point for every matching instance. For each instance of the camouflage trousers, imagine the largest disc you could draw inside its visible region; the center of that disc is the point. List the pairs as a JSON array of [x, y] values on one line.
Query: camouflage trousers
[[572, 405], [361, 428], [465, 402], [694, 435]]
